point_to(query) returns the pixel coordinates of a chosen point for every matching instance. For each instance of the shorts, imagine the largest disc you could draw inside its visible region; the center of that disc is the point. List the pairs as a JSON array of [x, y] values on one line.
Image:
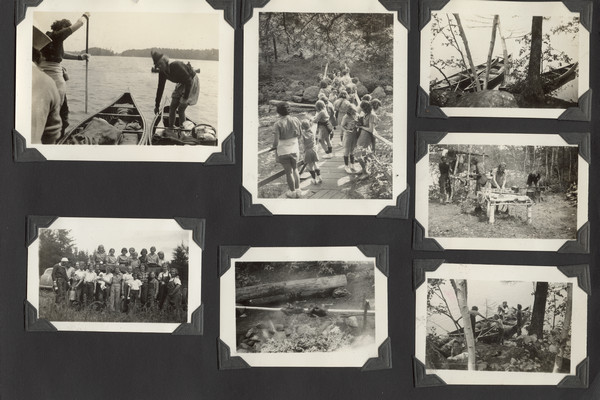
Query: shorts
[[323, 132], [194, 91], [349, 142], [287, 159], [310, 156], [364, 140]]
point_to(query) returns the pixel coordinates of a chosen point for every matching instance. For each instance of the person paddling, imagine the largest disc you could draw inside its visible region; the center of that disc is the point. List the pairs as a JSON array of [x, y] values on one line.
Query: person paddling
[[186, 90]]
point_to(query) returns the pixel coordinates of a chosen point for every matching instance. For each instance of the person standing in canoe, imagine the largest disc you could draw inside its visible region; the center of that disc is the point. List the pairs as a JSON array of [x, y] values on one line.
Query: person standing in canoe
[[54, 53], [186, 90]]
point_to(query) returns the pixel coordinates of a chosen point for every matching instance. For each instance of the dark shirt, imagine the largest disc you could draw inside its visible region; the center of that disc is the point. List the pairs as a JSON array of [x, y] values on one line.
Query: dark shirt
[[55, 51], [59, 272], [176, 72], [444, 168]]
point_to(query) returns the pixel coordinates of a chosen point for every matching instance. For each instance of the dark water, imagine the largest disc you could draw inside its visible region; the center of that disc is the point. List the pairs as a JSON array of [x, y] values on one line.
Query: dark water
[[109, 77]]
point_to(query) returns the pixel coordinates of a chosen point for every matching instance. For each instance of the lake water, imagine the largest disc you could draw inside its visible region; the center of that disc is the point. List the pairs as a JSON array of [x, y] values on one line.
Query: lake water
[[109, 77]]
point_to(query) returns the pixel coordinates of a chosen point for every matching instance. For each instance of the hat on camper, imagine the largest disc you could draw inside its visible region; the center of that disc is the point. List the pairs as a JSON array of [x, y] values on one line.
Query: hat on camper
[[156, 56], [64, 259], [40, 39]]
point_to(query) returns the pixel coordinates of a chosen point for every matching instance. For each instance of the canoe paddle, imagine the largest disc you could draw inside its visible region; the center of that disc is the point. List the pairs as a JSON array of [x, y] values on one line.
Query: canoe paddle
[[87, 60]]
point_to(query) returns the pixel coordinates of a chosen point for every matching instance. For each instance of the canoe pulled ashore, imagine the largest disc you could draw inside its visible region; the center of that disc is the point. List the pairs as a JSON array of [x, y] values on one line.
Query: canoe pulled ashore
[[191, 133], [121, 123], [463, 80]]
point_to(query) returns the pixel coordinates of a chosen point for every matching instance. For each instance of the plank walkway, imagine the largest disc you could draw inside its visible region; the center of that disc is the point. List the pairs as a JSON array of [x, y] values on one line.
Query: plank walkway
[[336, 182]]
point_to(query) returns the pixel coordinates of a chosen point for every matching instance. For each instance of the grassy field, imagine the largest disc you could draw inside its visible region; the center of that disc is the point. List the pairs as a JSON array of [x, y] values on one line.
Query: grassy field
[[554, 218], [52, 312]]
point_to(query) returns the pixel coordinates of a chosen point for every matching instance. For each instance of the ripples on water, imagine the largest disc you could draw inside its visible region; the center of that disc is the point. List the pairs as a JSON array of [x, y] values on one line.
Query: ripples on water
[[109, 77]]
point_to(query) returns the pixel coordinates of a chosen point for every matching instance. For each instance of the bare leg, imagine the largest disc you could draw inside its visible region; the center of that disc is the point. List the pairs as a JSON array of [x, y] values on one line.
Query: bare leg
[[295, 174], [173, 112], [289, 176], [181, 110]]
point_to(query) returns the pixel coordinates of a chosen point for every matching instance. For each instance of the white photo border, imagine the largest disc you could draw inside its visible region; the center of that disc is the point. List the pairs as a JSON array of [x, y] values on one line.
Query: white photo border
[[517, 8], [357, 358], [194, 274], [23, 92], [482, 272], [423, 180], [250, 124]]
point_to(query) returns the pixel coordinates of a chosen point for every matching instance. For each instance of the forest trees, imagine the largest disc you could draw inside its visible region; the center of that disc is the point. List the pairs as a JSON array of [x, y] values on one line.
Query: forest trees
[[54, 245], [556, 164], [332, 37]]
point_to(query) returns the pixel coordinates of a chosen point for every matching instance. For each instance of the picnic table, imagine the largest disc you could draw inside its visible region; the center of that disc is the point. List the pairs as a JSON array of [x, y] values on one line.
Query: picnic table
[[492, 199]]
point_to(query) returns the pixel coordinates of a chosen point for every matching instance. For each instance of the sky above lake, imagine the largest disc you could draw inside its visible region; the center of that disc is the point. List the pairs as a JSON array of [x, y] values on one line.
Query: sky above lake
[[123, 31]]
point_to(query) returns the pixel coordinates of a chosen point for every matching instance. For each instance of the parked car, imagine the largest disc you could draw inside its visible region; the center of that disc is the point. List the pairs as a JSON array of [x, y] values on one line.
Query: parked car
[[46, 279]]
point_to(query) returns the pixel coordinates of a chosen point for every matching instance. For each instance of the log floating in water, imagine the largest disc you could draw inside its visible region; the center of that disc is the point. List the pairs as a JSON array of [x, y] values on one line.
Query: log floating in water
[[278, 288]]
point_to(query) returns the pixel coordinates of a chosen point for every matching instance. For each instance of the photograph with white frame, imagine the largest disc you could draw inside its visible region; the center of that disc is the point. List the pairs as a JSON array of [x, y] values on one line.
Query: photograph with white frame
[[114, 274], [495, 39], [303, 307], [530, 324], [123, 77], [329, 175], [475, 191]]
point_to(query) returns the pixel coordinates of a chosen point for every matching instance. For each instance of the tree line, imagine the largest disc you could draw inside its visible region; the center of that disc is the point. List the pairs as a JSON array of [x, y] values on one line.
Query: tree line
[[183, 54], [348, 37], [557, 164]]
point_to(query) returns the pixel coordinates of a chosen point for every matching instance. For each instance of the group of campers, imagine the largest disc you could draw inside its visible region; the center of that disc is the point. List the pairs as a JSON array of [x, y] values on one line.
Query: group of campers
[[124, 283], [494, 179], [338, 110]]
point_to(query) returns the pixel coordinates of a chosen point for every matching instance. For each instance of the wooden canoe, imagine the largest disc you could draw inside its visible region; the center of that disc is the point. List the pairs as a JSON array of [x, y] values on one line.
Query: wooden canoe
[[200, 135], [463, 81], [123, 114]]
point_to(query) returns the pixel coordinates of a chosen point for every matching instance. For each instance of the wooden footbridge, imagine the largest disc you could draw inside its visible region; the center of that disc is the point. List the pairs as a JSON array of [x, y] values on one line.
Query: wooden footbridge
[[336, 184]]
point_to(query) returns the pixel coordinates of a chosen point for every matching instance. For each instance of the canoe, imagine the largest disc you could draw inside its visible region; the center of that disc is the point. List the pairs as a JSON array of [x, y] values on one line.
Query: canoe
[[199, 135], [121, 123], [463, 82]]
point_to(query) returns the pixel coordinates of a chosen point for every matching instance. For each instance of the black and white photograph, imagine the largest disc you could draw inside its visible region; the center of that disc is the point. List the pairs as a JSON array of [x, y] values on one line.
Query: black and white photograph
[[520, 327], [114, 274], [480, 59], [520, 193], [126, 85], [325, 124], [307, 309]]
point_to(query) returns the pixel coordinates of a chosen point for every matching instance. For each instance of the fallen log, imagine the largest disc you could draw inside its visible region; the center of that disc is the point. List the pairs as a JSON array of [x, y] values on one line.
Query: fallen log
[[297, 286]]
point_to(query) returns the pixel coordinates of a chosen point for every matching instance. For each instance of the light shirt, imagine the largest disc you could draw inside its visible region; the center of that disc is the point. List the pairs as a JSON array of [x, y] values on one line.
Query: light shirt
[[135, 284], [90, 276], [152, 258]]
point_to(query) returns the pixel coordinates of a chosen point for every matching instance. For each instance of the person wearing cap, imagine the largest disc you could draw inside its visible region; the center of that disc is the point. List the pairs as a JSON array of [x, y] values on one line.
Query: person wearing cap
[[60, 279], [186, 90], [53, 55], [45, 99]]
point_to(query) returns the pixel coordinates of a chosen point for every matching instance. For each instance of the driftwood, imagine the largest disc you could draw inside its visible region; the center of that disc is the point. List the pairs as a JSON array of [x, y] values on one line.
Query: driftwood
[[297, 286]]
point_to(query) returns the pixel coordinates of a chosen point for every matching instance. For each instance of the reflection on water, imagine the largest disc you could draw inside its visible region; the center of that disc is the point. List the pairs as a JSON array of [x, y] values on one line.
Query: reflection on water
[[109, 77]]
